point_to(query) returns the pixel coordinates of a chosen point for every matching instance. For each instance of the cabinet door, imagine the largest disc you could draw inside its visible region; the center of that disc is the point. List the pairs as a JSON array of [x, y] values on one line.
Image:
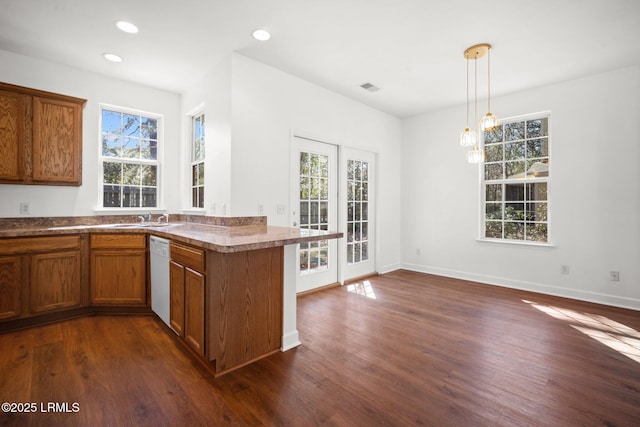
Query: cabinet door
[[176, 290], [10, 287], [55, 281], [12, 138], [57, 141], [118, 277], [194, 310]]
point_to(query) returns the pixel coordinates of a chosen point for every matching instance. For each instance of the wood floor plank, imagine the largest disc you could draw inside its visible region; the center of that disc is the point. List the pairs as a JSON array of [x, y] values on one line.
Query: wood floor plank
[[427, 351]]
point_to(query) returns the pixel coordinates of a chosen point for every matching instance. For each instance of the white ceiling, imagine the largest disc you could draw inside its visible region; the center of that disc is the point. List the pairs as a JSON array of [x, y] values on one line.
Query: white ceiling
[[411, 49]]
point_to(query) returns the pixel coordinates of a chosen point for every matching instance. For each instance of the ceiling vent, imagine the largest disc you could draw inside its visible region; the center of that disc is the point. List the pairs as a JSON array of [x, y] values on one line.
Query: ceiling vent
[[370, 87]]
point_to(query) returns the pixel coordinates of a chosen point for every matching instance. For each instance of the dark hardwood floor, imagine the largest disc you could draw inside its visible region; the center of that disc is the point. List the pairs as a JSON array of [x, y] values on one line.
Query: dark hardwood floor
[[399, 349]]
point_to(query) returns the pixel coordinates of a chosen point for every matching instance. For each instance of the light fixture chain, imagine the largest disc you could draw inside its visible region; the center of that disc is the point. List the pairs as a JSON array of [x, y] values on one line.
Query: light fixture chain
[[475, 89], [489, 79], [467, 93]]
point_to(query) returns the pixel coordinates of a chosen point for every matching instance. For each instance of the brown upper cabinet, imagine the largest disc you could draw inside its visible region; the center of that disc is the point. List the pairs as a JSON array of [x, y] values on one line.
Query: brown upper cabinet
[[40, 137]]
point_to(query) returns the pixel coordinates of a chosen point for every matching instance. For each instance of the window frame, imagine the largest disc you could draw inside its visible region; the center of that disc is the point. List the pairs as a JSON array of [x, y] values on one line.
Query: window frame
[[524, 181], [199, 114], [357, 203], [158, 162]]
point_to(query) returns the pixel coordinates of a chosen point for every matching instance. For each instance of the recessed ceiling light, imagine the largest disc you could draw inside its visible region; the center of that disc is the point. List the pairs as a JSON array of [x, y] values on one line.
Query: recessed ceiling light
[[112, 57], [262, 35], [127, 27]]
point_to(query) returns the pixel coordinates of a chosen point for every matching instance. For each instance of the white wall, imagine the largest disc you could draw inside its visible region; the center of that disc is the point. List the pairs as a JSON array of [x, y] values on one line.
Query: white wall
[[251, 142], [267, 106], [214, 92], [96, 89], [594, 194]]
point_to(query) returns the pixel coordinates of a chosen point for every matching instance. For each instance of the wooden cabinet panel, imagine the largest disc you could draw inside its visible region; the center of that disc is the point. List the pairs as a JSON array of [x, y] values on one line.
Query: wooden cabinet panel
[[118, 269], [118, 277], [188, 256], [40, 137], [57, 141], [112, 241], [187, 285], [245, 305], [11, 135], [19, 245], [176, 297], [194, 293], [55, 281], [10, 287]]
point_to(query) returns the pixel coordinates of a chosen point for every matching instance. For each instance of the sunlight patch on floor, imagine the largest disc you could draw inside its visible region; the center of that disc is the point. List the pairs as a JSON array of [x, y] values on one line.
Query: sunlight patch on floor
[[614, 335], [363, 288]]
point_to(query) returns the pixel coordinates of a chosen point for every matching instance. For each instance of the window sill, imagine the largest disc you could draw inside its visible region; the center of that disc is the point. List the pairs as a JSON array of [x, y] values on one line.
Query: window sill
[[194, 211], [128, 211], [517, 243]]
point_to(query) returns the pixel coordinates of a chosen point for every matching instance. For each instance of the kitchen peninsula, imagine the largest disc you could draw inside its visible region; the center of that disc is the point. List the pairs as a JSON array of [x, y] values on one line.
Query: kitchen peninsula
[[234, 303]]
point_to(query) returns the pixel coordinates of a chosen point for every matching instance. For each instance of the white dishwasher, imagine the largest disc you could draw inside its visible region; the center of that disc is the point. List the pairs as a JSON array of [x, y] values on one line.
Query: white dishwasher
[[159, 249]]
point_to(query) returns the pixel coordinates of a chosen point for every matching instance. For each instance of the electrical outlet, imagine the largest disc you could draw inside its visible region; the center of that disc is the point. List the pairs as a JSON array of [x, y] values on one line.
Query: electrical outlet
[[614, 276], [280, 209], [564, 269], [260, 209], [25, 208], [418, 251]]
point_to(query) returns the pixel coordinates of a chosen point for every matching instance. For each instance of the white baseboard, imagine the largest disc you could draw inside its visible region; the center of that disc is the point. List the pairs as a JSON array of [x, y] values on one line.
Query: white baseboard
[[290, 340], [389, 268], [595, 297]]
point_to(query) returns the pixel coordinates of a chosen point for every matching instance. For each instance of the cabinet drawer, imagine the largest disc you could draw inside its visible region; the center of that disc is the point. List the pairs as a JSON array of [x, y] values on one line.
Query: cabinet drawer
[[132, 241], [38, 244], [188, 256]]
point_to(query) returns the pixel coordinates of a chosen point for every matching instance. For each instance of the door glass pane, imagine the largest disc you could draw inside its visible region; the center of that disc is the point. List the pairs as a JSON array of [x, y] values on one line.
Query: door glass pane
[[357, 216], [314, 209]]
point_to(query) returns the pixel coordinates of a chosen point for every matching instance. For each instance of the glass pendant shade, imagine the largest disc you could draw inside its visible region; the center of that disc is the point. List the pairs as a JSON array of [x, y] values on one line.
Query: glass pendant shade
[[476, 155], [489, 122], [468, 138]]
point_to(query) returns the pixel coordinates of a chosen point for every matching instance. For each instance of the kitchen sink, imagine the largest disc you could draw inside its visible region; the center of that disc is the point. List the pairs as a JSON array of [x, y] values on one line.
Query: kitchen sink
[[136, 225], [125, 225]]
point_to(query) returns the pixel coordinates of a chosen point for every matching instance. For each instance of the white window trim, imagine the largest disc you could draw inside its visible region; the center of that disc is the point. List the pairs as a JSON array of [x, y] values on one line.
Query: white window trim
[[100, 209], [482, 214], [197, 113]]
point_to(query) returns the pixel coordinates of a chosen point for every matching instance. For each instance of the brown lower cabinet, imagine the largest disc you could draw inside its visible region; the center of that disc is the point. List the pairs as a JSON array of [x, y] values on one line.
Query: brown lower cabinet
[[118, 269], [227, 307], [39, 275], [187, 294], [55, 281], [10, 287]]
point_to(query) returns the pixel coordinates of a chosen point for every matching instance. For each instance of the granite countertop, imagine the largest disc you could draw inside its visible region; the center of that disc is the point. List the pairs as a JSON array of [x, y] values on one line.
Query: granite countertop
[[217, 234]]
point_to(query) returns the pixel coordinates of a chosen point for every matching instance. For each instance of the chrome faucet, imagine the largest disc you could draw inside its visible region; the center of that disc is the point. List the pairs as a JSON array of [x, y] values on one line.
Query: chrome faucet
[[165, 216], [145, 218]]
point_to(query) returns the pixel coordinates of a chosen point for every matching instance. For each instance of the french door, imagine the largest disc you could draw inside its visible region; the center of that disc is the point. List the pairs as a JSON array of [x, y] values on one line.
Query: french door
[[314, 167], [357, 194]]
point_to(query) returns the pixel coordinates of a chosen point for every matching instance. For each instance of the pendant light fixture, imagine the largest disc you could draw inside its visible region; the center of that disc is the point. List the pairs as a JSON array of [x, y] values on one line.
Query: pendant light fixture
[[475, 155], [468, 137], [489, 121]]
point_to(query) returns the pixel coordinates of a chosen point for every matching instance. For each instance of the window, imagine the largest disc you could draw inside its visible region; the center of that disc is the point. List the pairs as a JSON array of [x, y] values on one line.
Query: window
[[197, 161], [515, 184], [314, 209], [357, 211], [129, 158]]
